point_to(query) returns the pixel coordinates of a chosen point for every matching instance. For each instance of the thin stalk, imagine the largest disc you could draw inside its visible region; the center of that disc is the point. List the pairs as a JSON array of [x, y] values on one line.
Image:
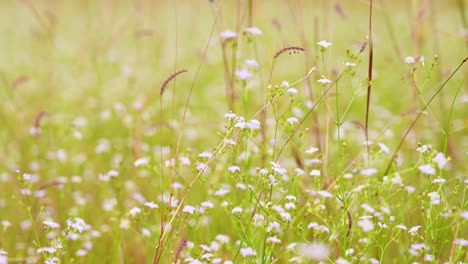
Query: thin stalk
[[369, 77], [160, 246]]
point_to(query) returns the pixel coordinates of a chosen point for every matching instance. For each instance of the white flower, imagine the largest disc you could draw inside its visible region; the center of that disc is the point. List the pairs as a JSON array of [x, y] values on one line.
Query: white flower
[[81, 252], [440, 160], [439, 180], [274, 226], [427, 169], [207, 204], [230, 115], [464, 214], [27, 177], [315, 173], [366, 225], [134, 211], [424, 148], [350, 64], [290, 198], [286, 216], [51, 224], [368, 208], [247, 252], [223, 239], [323, 80], [237, 210], [234, 169], [410, 60], [77, 224], [290, 206], [243, 74], [253, 124], [222, 192], [313, 251], [188, 209], [299, 172], [292, 120], [292, 91], [414, 229], [273, 240], [49, 250], [141, 162], [151, 205], [251, 63], [254, 31], [202, 167], [3, 256], [383, 148], [419, 246], [461, 242], [205, 155], [402, 227], [228, 34], [311, 150], [368, 172], [113, 173], [207, 256], [435, 197], [325, 44]]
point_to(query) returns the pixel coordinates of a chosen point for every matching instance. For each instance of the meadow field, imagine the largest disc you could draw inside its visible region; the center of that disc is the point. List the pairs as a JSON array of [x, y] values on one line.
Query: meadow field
[[233, 131]]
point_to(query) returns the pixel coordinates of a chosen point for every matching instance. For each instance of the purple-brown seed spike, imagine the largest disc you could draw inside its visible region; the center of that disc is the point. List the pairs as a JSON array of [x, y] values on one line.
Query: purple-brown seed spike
[[291, 48], [168, 80]]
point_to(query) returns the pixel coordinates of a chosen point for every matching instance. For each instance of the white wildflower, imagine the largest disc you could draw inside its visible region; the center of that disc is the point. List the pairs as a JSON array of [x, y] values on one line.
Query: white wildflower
[[134, 211], [253, 31], [464, 215], [292, 91], [324, 80], [366, 225], [313, 251], [230, 115], [141, 162], [368, 172], [427, 169], [402, 227], [413, 230], [228, 34], [315, 173], [439, 180], [77, 224], [237, 210], [440, 160], [188, 209], [234, 169], [243, 74], [247, 252], [324, 44], [251, 63], [410, 60], [292, 120], [151, 205], [273, 240], [384, 148], [51, 224]]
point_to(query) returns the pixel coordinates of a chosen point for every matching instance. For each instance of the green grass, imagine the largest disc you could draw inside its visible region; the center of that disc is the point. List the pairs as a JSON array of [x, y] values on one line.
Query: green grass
[[86, 132]]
